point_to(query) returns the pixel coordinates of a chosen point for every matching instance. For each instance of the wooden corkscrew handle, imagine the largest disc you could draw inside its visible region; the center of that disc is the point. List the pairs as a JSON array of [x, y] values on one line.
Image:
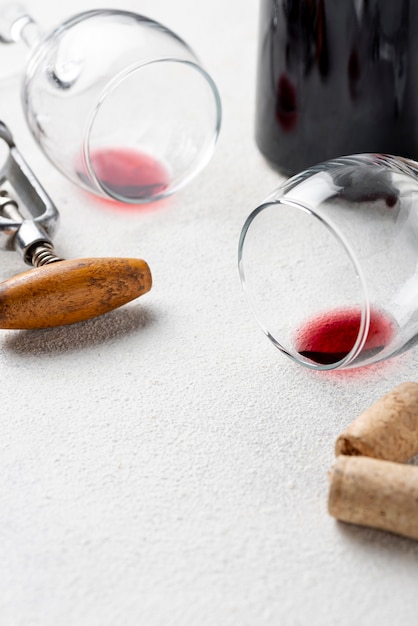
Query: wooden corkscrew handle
[[71, 291]]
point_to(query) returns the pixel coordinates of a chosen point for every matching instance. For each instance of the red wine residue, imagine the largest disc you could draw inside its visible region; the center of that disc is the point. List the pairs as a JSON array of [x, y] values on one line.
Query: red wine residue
[[128, 173], [329, 337]]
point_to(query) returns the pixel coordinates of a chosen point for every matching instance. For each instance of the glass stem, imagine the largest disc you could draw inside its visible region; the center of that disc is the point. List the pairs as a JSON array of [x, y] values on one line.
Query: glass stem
[[16, 25]]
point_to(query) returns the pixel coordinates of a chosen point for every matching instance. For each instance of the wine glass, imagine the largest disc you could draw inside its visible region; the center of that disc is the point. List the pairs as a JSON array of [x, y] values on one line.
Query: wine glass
[[118, 103], [329, 262]]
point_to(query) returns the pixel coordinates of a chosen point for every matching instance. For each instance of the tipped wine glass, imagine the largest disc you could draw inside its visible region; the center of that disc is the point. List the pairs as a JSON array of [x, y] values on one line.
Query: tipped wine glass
[[329, 262], [118, 102]]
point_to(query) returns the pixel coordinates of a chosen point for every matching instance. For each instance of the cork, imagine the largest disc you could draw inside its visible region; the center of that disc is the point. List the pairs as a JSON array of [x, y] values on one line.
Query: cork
[[386, 430], [375, 493]]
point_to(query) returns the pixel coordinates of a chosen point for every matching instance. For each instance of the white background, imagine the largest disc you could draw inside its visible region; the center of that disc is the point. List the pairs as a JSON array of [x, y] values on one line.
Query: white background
[[164, 465]]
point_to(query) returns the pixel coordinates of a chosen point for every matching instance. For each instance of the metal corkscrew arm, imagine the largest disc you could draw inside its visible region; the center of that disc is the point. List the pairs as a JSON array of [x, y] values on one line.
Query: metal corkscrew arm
[[56, 292]]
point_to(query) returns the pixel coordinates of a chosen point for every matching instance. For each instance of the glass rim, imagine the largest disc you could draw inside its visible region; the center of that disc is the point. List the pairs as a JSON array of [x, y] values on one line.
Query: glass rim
[[113, 84], [347, 249]]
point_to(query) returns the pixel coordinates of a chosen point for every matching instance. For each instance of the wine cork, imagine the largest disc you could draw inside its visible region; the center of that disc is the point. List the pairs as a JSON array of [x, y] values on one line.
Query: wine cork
[[386, 430], [375, 493]]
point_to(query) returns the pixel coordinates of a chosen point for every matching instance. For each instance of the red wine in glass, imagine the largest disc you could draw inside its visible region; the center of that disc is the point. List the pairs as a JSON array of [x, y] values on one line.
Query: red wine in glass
[[128, 173], [329, 337]]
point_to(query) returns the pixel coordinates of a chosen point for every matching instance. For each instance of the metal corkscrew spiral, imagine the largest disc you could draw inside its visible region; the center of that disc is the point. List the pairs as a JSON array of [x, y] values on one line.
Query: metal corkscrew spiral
[[44, 254]]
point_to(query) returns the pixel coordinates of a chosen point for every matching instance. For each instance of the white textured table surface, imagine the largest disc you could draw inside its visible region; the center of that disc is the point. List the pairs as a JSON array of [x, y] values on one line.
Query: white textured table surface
[[164, 465]]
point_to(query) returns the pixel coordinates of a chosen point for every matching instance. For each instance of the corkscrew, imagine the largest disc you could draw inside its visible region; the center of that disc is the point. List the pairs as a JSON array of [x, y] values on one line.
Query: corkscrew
[[55, 292]]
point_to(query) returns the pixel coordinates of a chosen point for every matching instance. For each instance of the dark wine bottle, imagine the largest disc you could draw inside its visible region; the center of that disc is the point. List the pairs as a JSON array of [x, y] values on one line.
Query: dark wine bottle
[[336, 77]]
